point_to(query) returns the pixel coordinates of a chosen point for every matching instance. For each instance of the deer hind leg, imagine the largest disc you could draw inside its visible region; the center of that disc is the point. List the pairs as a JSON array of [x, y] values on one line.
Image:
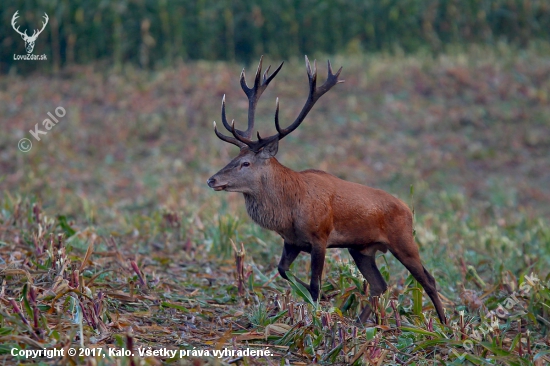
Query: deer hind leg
[[409, 256], [369, 270]]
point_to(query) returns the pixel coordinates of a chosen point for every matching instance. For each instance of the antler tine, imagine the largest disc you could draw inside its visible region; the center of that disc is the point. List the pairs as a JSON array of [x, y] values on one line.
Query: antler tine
[[14, 18], [243, 81], [247, 90], [254, 93], [332, 79], [266, 72], [329, 66], [270, 77], [231, 140], [308, 66], [244, 140], [277, 126], [14, 21], [257, 78], [46, 19], [45, 16], [224, 118], [312, 76], [314, 94]]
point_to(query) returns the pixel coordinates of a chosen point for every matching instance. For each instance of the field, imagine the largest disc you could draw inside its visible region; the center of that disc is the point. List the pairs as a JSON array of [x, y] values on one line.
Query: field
[[110, 237]]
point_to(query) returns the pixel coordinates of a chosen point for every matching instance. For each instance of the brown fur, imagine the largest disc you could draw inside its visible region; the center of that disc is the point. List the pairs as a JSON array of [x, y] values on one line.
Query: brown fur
[[313, 210]]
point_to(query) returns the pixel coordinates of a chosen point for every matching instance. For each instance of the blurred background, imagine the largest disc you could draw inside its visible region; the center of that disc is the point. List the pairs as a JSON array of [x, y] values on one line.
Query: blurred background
[[161, 33], [446, 104]]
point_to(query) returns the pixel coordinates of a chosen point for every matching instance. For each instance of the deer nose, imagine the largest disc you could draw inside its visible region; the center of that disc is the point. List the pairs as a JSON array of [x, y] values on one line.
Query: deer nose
[[211, 182]]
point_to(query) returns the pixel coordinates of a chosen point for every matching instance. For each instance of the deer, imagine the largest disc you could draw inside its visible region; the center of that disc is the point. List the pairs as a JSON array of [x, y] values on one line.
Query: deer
[[313, 210], [29, 41]]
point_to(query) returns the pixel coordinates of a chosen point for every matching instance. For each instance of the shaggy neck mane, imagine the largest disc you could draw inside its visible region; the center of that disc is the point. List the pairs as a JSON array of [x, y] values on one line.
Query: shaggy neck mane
[[272, 205]]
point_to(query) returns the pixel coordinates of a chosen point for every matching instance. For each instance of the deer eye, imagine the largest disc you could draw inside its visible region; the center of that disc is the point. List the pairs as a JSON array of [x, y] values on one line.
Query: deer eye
[[246, 163]]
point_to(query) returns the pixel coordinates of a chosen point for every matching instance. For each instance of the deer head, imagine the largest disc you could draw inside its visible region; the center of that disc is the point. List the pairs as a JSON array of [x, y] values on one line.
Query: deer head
[[29, 40], [244, 173]]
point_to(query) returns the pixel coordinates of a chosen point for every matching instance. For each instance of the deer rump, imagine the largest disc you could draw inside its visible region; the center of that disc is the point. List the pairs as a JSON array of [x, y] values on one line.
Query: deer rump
[[314, 210]]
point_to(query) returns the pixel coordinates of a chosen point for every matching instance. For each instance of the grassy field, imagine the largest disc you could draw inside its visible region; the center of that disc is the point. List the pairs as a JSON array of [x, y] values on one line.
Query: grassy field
[[110, 238]]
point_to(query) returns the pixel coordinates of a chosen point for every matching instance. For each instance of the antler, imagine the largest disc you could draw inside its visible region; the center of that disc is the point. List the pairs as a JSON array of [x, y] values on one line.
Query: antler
[[242, 138], [35, 33], [314, 95], [13, 21]]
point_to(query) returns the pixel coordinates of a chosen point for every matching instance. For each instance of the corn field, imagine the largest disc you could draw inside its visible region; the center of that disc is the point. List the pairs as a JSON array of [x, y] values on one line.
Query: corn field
[[152, 33]]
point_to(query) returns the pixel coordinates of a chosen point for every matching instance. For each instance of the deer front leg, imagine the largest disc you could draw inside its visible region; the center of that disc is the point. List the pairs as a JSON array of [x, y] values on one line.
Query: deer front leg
[[290, 252], [317, 265]]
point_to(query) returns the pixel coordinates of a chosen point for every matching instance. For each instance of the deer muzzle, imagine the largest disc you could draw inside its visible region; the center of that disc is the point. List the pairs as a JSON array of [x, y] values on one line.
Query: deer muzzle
[[215, 185]]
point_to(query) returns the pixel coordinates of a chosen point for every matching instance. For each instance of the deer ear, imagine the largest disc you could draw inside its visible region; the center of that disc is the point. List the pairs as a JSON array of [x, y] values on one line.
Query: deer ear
[[269, 150]]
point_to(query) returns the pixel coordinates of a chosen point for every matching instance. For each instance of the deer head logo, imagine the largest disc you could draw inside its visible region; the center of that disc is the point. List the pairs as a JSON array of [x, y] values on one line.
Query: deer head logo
[[29, 41]]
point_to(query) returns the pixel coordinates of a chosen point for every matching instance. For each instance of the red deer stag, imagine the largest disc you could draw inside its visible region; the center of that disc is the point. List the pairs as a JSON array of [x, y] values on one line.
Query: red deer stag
[[313, 210]]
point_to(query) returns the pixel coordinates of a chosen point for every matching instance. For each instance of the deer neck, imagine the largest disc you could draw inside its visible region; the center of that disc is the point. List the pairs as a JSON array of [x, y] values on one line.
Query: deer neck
[[272, 205]]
